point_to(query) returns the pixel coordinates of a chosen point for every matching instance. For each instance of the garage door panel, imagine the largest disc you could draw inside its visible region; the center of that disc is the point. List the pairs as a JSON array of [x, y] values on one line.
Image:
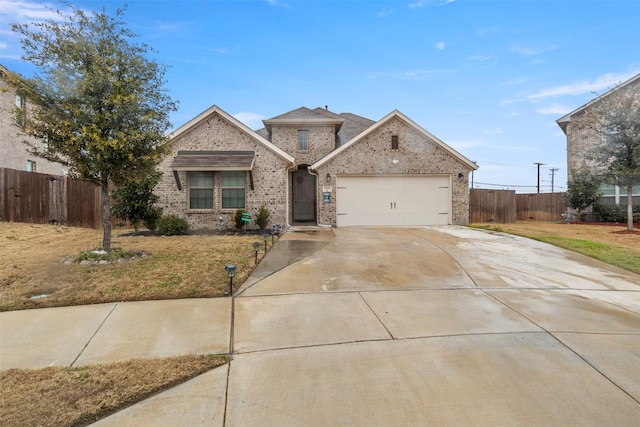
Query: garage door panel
[[398, 200]]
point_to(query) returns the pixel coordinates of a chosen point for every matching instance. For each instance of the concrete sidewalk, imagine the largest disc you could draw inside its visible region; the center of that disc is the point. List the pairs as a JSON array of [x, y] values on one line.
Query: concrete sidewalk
[[104, 333]]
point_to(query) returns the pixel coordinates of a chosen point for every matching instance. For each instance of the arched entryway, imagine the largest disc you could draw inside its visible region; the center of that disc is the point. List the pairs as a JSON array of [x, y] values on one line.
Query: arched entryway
[[303, 195]]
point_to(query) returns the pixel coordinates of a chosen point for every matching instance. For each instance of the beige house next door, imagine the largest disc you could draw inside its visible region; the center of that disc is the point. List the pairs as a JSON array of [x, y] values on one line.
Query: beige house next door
[[393, 200]]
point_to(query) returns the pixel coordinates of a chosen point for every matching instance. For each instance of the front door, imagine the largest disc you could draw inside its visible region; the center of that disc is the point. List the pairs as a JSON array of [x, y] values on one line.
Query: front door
[[304, 196]]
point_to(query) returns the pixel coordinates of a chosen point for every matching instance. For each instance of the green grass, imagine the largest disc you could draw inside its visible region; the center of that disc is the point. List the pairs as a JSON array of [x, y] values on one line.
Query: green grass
[[619, 256]]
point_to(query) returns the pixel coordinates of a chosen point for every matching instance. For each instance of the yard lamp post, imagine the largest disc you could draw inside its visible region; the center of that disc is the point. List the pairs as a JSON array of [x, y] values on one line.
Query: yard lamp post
[[265, 237], [231, 271], [256, 247]]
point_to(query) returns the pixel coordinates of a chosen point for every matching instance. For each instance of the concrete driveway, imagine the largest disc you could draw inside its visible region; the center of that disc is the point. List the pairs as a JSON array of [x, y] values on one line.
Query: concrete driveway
[[442, 326], [437, 326]]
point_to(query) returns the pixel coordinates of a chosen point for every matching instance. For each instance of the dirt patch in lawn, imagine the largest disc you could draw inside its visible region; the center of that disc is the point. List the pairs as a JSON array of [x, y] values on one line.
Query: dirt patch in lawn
[[80, 396], [33, 273]]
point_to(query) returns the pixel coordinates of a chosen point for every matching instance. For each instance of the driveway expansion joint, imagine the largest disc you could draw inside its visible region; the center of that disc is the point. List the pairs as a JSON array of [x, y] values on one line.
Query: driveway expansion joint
[[94, 334]]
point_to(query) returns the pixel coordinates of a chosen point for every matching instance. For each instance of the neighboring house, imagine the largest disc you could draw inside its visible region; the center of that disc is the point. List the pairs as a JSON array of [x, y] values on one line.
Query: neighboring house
[[314, 167], [580, 139], [13, 152]]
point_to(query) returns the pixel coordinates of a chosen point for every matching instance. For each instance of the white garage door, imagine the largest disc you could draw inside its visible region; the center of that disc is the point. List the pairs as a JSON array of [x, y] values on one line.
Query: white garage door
[[393, 200]]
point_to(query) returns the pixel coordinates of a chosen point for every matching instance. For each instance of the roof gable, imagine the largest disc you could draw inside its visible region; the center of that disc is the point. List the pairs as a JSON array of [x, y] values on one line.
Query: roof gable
[[304, 116], [215, 110], [382, 122], [566, 119]]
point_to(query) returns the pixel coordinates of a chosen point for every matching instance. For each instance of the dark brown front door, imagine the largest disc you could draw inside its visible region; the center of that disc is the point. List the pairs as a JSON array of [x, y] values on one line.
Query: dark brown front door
[[304, 196]]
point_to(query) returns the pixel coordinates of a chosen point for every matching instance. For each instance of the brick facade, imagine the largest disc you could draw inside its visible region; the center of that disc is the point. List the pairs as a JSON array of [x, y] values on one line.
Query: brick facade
[[13, 152], [416, 155], [579, 128], [277, 155], [269, 174]]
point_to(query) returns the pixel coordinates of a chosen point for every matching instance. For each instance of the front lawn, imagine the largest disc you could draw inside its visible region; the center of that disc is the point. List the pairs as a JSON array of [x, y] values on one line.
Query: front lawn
[[37, 269]]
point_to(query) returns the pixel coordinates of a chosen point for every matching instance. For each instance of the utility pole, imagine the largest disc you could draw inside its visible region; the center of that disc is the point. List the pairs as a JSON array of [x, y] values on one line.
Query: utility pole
[[553, 173], [538, 164]]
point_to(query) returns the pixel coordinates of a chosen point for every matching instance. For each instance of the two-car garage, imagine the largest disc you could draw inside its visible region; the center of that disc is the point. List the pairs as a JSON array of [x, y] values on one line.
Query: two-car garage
[[384, 200]]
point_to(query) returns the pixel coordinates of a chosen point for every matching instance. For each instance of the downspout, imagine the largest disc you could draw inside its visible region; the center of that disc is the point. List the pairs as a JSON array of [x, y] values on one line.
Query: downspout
[[318, 205]]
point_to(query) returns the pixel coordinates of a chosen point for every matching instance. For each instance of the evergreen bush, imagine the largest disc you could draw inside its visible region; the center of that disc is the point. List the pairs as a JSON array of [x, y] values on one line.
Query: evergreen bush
[[171, 225]]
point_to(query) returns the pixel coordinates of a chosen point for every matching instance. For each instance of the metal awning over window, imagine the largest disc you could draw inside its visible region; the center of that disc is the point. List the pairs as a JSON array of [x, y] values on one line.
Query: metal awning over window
[[213, 161]]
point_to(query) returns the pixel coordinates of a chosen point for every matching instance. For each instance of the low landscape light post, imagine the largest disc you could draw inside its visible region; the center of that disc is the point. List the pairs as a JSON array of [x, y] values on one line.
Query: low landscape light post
[[231, 271], [256, 248], [265, 237]]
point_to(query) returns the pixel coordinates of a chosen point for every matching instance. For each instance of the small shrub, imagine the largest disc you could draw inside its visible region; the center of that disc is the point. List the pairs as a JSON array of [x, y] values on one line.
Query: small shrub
[[171, 225], [606, 212], [237, 218], [99, 255], [263, 217], [151, 220]]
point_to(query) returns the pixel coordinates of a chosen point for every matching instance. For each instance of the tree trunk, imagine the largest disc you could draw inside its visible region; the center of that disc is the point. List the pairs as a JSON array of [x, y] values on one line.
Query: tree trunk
[[106, 215], [629, 207]]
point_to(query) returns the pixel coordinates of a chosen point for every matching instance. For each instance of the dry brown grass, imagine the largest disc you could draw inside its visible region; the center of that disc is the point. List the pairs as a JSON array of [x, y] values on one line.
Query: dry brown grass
[[80, 396], [176, 267]]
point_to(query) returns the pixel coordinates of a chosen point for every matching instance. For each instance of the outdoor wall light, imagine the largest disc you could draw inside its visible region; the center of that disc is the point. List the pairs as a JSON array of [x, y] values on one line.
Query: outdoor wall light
[[231, 271], [328, 177], [256, 248], [265, 237], [460, 175]]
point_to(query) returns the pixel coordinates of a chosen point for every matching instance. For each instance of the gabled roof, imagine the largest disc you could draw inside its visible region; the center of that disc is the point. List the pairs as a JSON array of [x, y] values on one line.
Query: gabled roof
[[353, 125], [213, 110], [305, 116], [566, 119], [394, 114]]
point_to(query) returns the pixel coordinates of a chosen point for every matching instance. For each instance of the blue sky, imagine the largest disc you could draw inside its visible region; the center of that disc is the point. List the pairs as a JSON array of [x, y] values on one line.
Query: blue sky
[[487, 77]]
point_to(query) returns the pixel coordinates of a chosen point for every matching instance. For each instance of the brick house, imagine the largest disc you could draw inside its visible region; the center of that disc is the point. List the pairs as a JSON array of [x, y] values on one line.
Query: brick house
[[580, 139], [13, 152], [314, 167]]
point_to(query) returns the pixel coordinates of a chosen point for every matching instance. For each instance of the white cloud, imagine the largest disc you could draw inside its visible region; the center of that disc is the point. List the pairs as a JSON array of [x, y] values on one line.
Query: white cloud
[[423, 3], [26, 11], [384, 13], [527, 51], [252, 120], [278, 3], [440, 45], [220, 50], [603, 82], [485, 31], [480, 58], [555, 109]]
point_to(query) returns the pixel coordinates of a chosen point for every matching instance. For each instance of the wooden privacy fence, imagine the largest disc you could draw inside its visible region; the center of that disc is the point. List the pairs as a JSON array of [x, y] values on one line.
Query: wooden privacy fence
[[39, 198], [505, 206], [540, 207], [492, 206]]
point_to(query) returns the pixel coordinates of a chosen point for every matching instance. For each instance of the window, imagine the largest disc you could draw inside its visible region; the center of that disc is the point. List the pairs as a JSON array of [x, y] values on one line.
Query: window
[[20, 110], [394, 142], [303, 140], [31, 166], [233, 187], [200, 190]]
